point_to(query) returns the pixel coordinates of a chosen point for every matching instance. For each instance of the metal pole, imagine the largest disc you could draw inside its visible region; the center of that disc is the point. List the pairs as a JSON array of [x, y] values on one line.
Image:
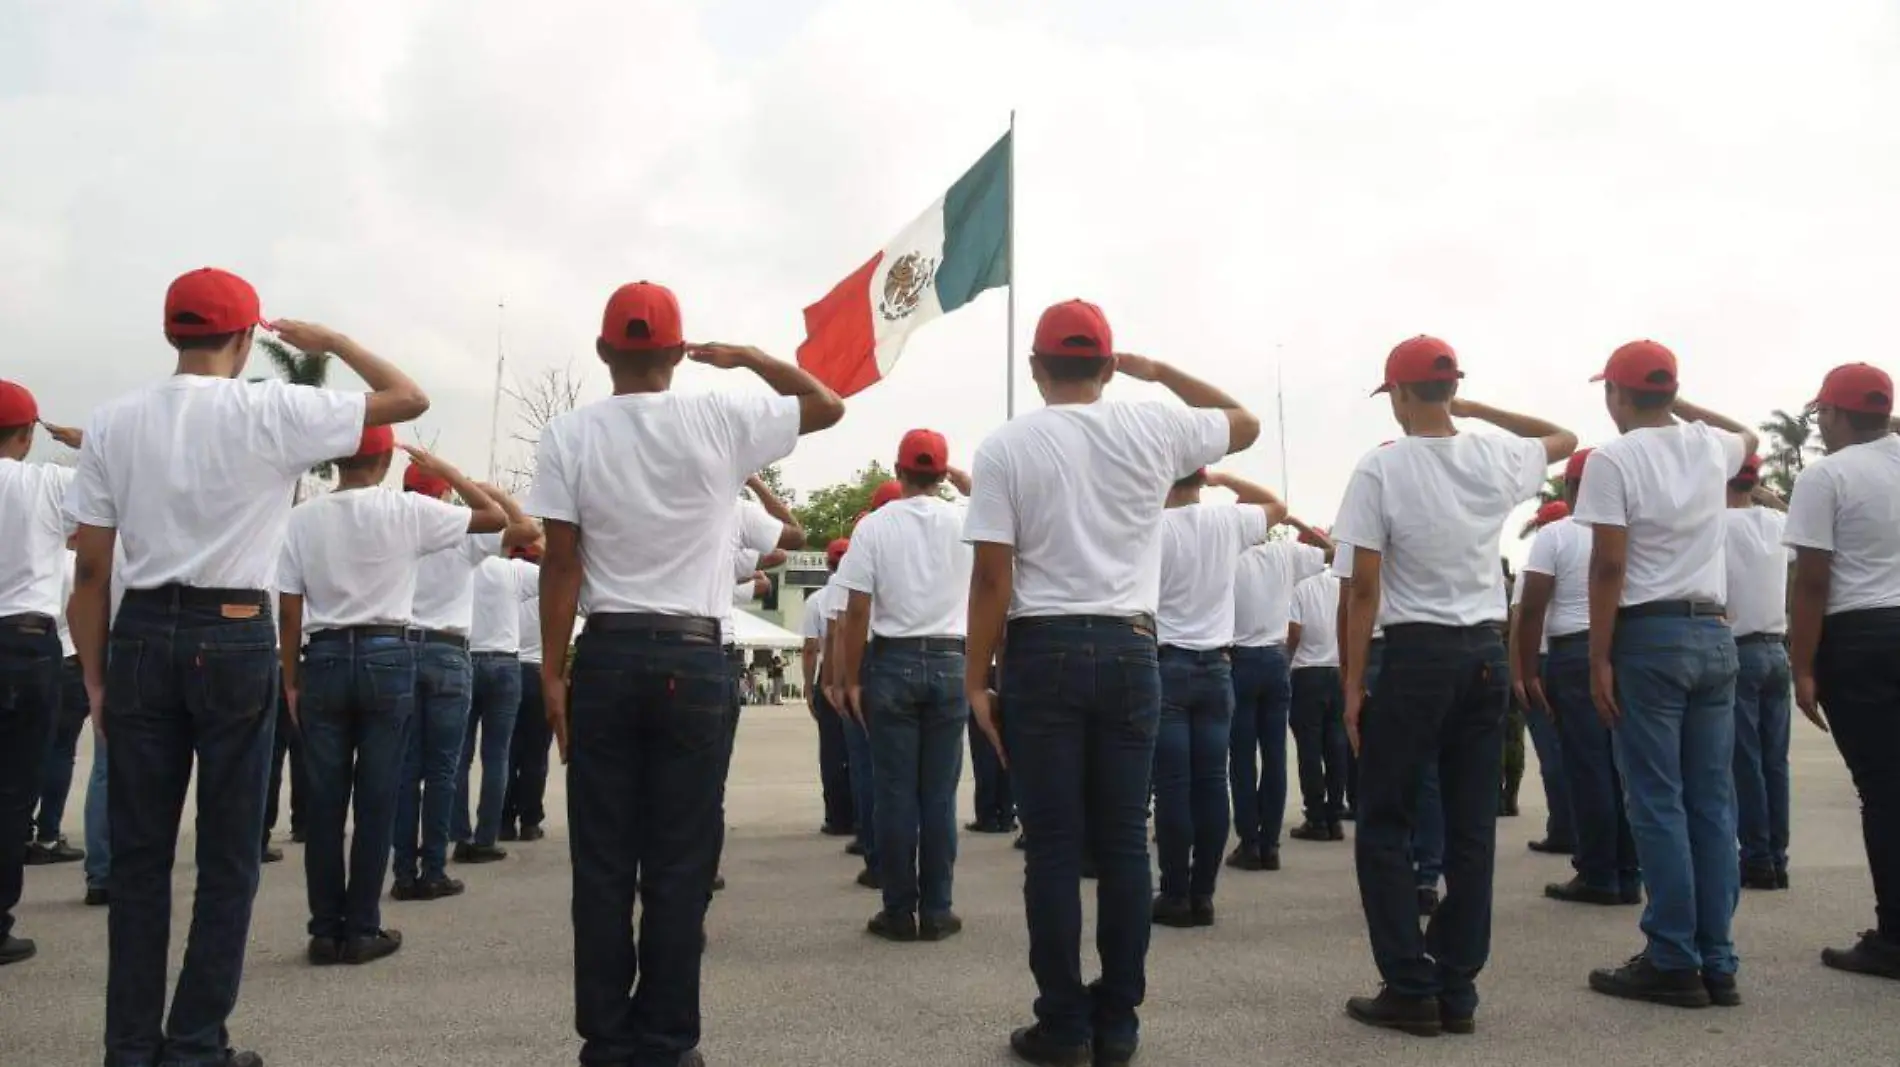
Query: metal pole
[[494, 412], [1009, 349]]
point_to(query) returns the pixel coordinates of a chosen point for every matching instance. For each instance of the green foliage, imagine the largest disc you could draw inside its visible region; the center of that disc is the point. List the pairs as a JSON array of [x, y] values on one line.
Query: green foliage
[[829, 512], [1553, 490], [299, 368], [774, 480], [1787, 445]]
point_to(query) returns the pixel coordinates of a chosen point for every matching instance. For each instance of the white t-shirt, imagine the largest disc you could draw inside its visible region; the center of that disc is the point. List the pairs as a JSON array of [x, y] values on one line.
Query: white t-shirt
[[1849, 504], [1562, 551], [501, 587], [1434, 509], [1264, 578], [1077, 490], [34, 536], [1316, 608], [1342, 570], [817, 620], [650, 478], [445, 584], [66, 647], [1757, 564], [910, 558], [197, 473], [352, 554], [1668, 486], [755, 534], [531, 618], [1201, 546]]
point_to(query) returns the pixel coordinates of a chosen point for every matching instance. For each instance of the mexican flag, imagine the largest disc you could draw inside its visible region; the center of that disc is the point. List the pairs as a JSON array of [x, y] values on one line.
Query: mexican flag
[[955, 250]]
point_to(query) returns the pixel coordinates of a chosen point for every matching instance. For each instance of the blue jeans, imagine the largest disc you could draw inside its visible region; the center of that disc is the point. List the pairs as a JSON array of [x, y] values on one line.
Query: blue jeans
[[995, 802], [649, 717], [358, 696], [914, 700], [1319, 734], [184, 684], [29, 704], [857, 749], [1675, 746], [528, 756], [425, 800], [1190, 772], [1606, 853], [834, 764], [62, 744], [1764, 704], [98, 824], [1440, 701], [1082, 704], [1263, 698], [1560, 823], [497, 702]]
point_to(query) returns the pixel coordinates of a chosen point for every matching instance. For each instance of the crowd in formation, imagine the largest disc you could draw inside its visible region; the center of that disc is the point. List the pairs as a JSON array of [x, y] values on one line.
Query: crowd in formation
[[1115, 652]]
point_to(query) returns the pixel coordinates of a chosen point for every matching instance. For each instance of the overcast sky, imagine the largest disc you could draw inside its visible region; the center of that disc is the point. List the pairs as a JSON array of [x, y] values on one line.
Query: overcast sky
[[1253, 191]]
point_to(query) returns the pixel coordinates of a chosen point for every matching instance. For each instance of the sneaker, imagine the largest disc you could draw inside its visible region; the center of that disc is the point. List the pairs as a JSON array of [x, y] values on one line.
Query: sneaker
[[1417, 1016], [1114, 1055], [473, 853], [1872, 955], [893, 926], [939, 927], [869, 879], [1203, 911], [1311, 831], [1631, 894], [1639, 979], [360, 950], [324, 951], [1781, 877], [1507, 808], [1173, 911], [1032, 1045], [437, 888], [97, 896], [692, 1057], [16, 949], [1723, 992], [1427, 901], [531, 832], [234, 1058], [1551, 846], [1576, 891], [1461, 1025], [1246, 858]]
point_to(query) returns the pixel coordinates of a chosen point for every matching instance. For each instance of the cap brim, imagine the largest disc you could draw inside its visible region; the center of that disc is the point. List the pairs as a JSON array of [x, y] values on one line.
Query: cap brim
[[1386, 388]]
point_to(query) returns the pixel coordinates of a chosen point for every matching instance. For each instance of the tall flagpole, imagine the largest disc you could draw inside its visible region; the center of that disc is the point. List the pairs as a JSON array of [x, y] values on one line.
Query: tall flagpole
[[494, 412], [1009, 349]]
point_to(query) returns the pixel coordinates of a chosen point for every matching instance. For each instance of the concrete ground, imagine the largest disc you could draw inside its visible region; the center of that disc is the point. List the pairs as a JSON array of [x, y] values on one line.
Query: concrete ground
[[791, 978]]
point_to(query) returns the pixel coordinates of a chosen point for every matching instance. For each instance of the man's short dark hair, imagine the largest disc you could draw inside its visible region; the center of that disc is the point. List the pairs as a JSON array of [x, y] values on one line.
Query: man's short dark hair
[[208, 343], [361, 464], [921, 480], [1072, 368], [1652, 399], [1866, 422], [1431, 392], [639, 360], [8, 433]]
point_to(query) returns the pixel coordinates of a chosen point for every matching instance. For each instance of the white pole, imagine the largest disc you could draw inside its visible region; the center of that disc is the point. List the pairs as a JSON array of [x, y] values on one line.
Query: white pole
[[494, 412]]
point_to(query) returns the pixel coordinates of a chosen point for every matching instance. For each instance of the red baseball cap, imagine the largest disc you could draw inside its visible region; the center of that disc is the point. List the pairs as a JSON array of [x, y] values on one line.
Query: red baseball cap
[[1309, 539], [1073, 328], [17, 406], [416, 481], [889, 491], [640, 317], [210, 301], [1551, 512], [377, 441], [1859, 387], [530, 552], [923, 451], [1644, 366], [835, 550], [1751, 470], [1573, 470], [1421, 359]]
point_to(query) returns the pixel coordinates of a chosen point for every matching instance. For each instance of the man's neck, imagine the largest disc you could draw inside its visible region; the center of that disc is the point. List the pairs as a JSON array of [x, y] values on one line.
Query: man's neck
[[1072, 393], [1740, 500], [658, 380], [1432, 420], [203, 365], [1650, 420], [347, 482]]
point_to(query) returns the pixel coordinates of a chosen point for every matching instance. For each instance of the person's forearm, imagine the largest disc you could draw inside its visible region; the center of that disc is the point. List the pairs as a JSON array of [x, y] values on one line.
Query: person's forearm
[[808, 663], [1193, 392], [1248, 492], [957, 478], [1339, 624], [488, 514], [1606, 595], [856, 627], [290, 638], [381, 375], [988, 613], [560, 602], [774, 506], [1511, 422], [1694, 413], [1768, 498], [1527, 636], [1362, 610], [786, 379], [86, 620], [1807, 608]]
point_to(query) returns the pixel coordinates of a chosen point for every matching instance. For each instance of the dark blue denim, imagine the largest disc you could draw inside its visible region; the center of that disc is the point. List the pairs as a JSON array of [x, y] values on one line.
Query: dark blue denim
[[1675, 747], [98, 823], [1857, 677], [1606, 854], [995, 800], [857, 748], [184, 684], [62, 746], [1263, 700], [834, 764], [357, 699], [1319, 734], [918, 713], [1560, 821], [1082, 705], [526, 803], [492, 714], [288, 749], [1428, 830], [649, 717], [1190, 775], [1440, 701], [1764, 706], [425, 798], [29, 704]]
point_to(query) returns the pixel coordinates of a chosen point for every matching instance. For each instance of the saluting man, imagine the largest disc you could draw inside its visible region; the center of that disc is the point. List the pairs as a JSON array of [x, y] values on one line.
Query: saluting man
[[834, 767], [1758, 564], [632, 488]]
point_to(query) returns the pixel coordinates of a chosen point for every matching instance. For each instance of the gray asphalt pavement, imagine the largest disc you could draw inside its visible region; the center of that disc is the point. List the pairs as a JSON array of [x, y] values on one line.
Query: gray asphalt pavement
[[791, 978]]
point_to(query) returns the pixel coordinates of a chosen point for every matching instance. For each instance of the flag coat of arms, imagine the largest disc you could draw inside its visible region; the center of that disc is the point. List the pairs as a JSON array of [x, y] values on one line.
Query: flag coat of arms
[[955, 250]]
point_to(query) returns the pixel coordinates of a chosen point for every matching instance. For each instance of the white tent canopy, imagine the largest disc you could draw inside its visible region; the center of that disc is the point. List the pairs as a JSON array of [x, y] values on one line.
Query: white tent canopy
[[750, 631]]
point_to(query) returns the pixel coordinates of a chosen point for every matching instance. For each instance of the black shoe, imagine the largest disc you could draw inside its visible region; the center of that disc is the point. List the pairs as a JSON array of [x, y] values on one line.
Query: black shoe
[[1640, 979], [834, 830], [359, 950], [1335, 831], [437, 888], [1872, 955], [1550, 846], [508, 833], [97, 896], [1022, 843], [939, 927], [1031, 1045], [58, 851], [1173, 911], [719, 882], [1108, 1055], [16, 949], [272, 854], [531, 832], [1427, 901], [1723, 992], [405, 891], [1576, 891], [1270, 861], [297, 836], [1246, 858], [234, 1058], [1417, 1016], [1507, 808], [1631, 894], [1203, 911], [472, 853], [691, 1058], [1761, 878], [324, 951], [869, 879], [1781, 878], [1312, 831], [893, 926], [1461, 1025], [1349, 815], [854, 849], [37, 855]]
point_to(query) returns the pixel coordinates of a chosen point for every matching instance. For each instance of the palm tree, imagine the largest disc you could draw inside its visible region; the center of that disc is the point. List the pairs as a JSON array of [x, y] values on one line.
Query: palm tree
[[1790, 440], [1553, 490], [299, 368]]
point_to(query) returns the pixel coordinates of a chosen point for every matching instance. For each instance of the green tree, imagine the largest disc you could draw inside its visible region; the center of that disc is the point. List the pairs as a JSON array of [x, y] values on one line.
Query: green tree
[[774, 479], [1553, 490], [829, 512], [299, 368], [1790, 441]]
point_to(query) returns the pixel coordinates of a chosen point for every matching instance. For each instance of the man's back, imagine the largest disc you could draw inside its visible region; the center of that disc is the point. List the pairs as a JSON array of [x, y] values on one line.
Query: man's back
[[1200, 545], [1562, 550], [31, 572], [1666, 485], [352, 554], [911, 558], [1851, 508]]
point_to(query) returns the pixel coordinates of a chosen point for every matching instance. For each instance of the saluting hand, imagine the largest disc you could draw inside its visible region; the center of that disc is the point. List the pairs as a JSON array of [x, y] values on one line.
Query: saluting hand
[[1140, 368], [1807, 698], [65, 435], [428, 461], [723, 356], [307, 337], [983, 713]]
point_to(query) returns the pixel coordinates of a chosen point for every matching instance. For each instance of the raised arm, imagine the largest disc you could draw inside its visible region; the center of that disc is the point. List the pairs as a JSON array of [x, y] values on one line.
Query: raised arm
[[957, 477], [1251, 493], [1558, 442], [485, 514], [520, 529], [818, 407], [393, 397], [1315, 534], [1769, 499], [1691, 413], [1243, 428], [793, 537]]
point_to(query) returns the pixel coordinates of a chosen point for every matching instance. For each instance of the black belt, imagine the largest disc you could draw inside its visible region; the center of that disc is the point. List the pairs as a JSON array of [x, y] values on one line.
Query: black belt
[[437, 637], [1672, 609], [695, 628], [917, 644], [1142, 623], [188, 596], [1403, 629], [358, 633], [1760, 639], [1581, 637], [495, 655], [31, 622], [1197, 655]]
